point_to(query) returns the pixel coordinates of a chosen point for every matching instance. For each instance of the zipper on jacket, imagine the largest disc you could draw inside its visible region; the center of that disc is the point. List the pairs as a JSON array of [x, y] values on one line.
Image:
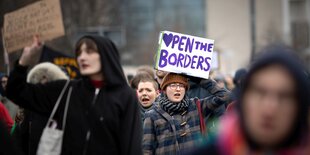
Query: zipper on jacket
[[87, 140], [88, 131], [95, 97]]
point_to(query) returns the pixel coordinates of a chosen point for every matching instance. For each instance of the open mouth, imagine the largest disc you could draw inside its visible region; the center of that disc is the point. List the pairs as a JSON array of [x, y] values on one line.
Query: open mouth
[[177, 94], [145, 100], [84, 66]]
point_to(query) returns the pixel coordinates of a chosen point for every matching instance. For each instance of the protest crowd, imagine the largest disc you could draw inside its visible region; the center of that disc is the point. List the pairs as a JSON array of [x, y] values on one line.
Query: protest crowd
[[178, 107]]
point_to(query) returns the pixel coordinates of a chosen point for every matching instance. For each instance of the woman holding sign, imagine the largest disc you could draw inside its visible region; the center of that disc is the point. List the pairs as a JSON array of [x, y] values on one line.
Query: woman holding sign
[[102, 115], [176, 123]]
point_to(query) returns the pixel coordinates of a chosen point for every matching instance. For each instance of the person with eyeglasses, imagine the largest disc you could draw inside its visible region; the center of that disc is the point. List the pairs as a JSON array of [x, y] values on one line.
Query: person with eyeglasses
[[174, 125]]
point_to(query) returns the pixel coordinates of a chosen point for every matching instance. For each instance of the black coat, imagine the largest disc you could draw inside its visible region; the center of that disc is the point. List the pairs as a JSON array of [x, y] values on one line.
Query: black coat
[[28, 133], [112, 118], [7, 145]]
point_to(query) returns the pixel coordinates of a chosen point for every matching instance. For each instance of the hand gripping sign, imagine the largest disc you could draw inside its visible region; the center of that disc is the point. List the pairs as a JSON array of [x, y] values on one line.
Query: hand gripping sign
[[181, 53]]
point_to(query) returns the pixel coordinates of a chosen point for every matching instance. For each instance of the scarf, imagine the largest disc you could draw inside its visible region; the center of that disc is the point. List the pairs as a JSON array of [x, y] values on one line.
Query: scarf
[[173, 108]]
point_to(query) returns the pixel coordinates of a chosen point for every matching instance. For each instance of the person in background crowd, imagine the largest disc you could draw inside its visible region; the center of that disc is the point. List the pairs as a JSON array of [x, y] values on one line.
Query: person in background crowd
[[239, 77], [220, 80], [136, 79], [9, 105], [271, 110], [129, 78], [103, 114], [5, 114], [173, 125], [28, 131], [5, 117], [146, 69], [147, 92], [229, 82], [159, 75], [4, 81]]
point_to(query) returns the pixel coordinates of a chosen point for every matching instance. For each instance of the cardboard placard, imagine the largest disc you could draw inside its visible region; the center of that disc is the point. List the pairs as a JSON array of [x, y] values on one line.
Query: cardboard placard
[[181, 53], [42, 18]]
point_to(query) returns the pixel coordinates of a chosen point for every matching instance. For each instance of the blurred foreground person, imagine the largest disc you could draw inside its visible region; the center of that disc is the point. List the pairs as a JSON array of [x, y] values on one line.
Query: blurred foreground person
[[176, 123], [103, 115], [271, 111]]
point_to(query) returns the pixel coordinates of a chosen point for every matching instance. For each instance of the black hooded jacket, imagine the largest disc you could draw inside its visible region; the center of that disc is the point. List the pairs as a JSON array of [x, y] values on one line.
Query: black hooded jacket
[[108, 123]]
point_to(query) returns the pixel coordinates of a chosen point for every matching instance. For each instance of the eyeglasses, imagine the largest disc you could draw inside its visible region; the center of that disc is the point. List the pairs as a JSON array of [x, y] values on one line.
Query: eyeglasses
[[174, 86]]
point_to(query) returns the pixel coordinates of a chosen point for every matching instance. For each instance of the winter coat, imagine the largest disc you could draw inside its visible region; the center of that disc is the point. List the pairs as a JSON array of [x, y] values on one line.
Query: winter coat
[[176, 134], [99, 121], [143, 111], [5, 117], [28, 132], [200, 88], [7, 145]]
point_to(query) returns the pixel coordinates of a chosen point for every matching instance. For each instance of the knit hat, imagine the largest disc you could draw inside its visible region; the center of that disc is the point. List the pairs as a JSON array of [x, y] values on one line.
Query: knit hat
[[174, 78]]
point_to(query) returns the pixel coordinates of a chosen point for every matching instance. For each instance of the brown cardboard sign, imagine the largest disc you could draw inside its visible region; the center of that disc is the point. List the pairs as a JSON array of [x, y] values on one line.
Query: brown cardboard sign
[[42, 18]]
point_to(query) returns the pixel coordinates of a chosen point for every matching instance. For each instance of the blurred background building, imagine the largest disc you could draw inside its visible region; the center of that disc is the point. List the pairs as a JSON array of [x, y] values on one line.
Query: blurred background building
[[276, 22], [239, 27]]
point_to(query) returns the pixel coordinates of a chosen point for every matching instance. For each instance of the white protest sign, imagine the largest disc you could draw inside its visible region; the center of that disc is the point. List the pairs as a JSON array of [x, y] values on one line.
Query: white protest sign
[[181, 53], [215, 60], [42, 18]]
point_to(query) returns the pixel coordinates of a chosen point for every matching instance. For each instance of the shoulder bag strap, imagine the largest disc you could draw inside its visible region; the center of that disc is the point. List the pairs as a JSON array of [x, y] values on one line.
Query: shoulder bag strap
[[66, 109], [50, 119]]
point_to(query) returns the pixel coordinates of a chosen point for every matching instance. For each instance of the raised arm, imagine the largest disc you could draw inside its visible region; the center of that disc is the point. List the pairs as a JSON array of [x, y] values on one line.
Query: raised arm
[[39, 97], [219, 96]]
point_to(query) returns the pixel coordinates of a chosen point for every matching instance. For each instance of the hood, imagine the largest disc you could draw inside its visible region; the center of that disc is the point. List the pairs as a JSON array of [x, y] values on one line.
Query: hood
[[110, 61], [287, 58], [46, 70]]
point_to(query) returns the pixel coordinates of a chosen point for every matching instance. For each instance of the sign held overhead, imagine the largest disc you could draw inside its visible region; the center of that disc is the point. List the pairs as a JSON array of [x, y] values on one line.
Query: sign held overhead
[[42, 18], [181, 53]]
